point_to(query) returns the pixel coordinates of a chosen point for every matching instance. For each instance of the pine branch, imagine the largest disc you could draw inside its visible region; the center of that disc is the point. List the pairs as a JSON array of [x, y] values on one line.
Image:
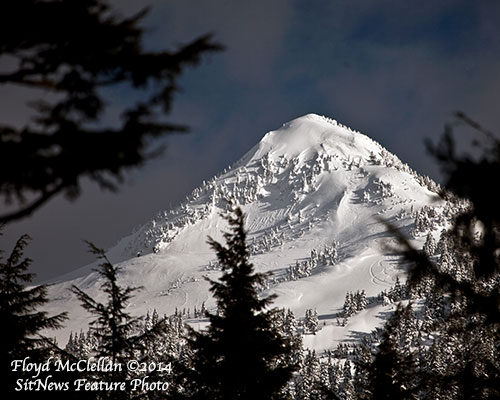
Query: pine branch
[[28, 210]]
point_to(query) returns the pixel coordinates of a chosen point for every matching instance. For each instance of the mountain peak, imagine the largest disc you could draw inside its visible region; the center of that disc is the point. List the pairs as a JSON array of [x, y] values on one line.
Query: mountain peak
[[312, 192], [306, 164], [310, 135]]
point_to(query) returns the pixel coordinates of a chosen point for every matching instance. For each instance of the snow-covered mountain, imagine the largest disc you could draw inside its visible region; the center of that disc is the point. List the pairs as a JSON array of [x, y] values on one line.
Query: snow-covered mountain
[[313, 192]]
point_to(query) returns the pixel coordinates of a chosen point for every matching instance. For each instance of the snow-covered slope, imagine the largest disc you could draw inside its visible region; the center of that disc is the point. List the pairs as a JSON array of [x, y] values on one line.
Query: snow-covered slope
[[313, 192]]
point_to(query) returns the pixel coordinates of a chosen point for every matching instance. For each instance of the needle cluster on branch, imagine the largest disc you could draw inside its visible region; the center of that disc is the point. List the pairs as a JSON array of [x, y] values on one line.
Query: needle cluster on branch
[[75, 53]]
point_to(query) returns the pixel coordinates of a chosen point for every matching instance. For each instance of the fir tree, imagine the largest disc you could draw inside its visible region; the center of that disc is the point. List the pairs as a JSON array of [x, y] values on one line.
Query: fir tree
[[346, 387], [147, 322], [463, 361], [19, 312], [114, 329], [362, 361], [311, 321], [361, 301], [391, 372], [429, 245], [113, 325], [240, 355], [308, 383], [349, 307]]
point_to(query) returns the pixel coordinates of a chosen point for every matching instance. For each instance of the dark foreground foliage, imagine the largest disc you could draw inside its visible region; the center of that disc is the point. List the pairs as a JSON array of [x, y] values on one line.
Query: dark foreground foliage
[[22, 320], [241, 355], [71, 54], [460, 357]]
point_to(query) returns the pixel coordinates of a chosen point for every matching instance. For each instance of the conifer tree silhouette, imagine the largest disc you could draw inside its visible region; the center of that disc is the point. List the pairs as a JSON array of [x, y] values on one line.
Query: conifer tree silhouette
[[241, 355], [112, 326], [471, 329], [21, 318]]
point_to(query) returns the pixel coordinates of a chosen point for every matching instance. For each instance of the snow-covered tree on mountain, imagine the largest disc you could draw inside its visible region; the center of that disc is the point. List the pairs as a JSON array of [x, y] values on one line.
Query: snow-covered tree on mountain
[[391, 373], [311, 322], [429, 245], [349, 307]]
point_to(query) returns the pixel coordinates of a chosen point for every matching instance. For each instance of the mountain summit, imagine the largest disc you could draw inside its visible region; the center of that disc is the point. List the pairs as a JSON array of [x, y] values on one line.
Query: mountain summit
[[313, 192], [312, 134]]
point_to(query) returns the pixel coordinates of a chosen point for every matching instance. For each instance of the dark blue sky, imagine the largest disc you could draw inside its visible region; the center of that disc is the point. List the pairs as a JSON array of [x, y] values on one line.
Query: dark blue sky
[[394, 70]]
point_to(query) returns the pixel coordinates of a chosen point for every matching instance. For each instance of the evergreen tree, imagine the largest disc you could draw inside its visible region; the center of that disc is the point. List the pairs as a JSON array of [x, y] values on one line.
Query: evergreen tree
[[346, 388], [360, 300], [309, 381], [155, 319], [334, 377], [113, 325], [287, 327], [429, 245], [311, 321], [464, 359], [23, 322], [391, 372], [240, 355], [474, 277], [147, 322], [362, 362], [349, 307], [290, 324], [118, 335]]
